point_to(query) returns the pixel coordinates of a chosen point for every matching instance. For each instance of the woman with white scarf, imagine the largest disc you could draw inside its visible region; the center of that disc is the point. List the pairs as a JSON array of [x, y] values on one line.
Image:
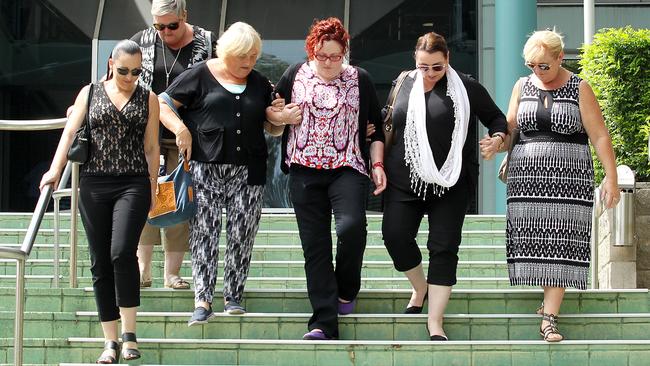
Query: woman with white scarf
[[433, 169]]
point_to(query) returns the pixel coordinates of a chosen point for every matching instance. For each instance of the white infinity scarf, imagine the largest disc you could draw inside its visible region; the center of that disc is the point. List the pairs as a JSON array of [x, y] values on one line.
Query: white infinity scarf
[[418, 155]]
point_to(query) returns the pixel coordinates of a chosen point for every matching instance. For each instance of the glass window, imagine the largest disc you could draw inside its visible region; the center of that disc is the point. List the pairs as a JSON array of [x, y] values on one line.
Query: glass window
[[283, 45], [46, 59], [384, 34]]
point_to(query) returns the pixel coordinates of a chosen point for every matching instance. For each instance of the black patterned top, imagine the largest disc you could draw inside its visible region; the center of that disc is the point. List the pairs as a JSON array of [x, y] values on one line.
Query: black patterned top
[[563, 115], [117, 137]]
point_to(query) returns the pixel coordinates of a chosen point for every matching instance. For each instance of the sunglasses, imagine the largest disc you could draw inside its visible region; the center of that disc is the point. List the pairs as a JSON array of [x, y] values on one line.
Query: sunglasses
[[333, 58], [543, 67], [436, 68], [171, 26], [125, 71]]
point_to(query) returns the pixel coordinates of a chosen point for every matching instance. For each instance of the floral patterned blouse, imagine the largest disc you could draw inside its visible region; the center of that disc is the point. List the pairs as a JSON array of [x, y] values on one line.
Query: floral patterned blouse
[[328, 137]]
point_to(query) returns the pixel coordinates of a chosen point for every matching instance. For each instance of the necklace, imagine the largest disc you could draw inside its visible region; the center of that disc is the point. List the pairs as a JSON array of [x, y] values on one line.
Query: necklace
[[167, 73]]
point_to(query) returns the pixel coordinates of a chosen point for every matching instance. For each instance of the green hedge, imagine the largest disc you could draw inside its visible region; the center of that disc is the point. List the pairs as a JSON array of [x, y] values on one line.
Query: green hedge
[[617, 66]]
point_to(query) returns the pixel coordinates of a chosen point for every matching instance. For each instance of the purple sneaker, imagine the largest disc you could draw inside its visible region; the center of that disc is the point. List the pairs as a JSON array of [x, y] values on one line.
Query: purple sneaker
[[346, 308], [316, 335]]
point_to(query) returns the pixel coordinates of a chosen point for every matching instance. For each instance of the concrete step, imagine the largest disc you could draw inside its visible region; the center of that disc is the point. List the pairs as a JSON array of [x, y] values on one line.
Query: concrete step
[[481, 252], [344, 353], [280, 268], [298, 282], [459, 327], [265, 237], [463, 301], [269, 221]]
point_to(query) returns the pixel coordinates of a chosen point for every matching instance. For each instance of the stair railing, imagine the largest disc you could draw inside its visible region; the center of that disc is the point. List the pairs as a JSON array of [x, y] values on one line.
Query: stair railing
[[21, 255]]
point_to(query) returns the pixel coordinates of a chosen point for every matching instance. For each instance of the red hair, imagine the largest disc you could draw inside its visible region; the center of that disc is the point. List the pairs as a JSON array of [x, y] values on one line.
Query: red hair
[[329, 29]]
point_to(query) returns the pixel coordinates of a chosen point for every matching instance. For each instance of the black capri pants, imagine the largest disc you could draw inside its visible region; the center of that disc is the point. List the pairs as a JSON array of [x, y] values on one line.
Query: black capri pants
[[401, 222], [113, 210]]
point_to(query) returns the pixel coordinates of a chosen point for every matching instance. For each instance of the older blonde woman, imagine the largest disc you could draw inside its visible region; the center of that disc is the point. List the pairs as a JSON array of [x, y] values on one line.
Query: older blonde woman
[[223, 103], [551, 180]]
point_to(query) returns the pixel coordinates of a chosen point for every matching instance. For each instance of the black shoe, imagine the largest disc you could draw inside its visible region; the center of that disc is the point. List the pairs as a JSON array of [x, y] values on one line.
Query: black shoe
[[109, 345], [416, 309], [201, 315], [129, 354], [435, 337], [438, 338]]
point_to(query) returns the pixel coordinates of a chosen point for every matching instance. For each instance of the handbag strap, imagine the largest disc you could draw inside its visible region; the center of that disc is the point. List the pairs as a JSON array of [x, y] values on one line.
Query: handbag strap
[[87, 119], [392, 95]]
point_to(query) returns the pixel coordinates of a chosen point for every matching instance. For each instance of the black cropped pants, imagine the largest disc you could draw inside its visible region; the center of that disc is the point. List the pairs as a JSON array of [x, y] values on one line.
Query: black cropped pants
[[113, 211], [401, 222]]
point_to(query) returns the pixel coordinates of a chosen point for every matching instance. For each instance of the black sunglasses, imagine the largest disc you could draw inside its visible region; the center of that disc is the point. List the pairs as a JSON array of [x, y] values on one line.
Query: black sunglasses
[[543, 67], [171, 26], [124, 71], [436, 68]]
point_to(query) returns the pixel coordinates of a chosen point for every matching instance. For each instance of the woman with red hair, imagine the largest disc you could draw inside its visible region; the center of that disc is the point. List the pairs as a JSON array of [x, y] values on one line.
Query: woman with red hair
[[324, 151]]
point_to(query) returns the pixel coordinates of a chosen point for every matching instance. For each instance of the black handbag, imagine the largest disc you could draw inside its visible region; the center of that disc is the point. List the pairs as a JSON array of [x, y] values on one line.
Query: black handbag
[[80, 147], [387, 111]]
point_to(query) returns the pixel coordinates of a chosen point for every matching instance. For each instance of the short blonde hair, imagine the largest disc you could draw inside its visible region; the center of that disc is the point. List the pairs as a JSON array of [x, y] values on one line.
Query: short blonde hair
[[239, 39], [542, 41]]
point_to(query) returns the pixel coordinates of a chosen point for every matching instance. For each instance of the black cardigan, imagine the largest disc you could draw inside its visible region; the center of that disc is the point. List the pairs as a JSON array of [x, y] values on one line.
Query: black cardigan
[[369, 110]]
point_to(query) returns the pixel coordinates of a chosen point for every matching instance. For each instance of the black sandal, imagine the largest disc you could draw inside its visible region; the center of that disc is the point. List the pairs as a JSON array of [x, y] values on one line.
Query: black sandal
[[550, 329], [109, 346], [540, 309], [129, 354]]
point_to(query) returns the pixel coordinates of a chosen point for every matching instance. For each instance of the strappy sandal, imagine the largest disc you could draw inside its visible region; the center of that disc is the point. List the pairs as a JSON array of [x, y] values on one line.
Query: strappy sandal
[[129, 354], [145, 282], [109, 346], [550, 329], [177, 283], [540, 309]]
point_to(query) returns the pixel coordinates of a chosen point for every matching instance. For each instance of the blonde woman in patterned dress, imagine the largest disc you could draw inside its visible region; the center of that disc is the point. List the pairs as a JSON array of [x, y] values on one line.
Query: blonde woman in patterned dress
[[551, 179]]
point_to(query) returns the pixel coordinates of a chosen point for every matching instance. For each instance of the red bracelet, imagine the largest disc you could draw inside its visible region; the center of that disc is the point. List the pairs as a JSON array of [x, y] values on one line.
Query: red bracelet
[[378, 164]]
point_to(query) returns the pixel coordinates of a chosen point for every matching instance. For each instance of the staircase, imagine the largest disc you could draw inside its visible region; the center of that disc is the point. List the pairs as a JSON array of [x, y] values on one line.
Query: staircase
[[490, 322]]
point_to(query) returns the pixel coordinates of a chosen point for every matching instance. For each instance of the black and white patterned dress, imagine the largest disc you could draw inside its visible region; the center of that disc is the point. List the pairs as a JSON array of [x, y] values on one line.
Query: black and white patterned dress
[[550, 190]]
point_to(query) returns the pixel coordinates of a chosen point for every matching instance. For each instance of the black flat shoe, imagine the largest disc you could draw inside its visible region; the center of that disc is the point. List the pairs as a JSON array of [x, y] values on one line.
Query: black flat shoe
[[129, 354], [435, 337], [438, 338], [109, 346], [416, 309]]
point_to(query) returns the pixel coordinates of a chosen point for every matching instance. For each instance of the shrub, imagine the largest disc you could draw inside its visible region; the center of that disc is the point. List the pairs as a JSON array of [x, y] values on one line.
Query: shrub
[[617, 66]]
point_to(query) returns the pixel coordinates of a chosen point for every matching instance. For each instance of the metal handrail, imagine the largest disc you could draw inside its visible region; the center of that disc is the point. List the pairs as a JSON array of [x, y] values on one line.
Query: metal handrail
[[32, 125], [20, 255]]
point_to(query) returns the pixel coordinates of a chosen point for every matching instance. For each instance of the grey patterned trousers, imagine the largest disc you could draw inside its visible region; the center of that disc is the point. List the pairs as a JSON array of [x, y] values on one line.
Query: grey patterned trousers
[[220, 186]]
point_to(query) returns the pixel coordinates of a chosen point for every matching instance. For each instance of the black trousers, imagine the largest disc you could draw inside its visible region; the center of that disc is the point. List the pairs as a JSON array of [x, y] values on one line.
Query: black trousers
[[113, 211], [315, 195], [446, 214]]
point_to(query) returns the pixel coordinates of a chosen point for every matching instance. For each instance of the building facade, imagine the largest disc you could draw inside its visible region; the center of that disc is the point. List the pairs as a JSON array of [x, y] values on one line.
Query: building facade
[[51, 48]]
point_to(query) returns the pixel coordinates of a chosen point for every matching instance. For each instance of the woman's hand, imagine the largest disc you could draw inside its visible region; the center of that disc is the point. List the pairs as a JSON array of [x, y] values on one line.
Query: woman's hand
[[369, 131], [291, 114], [379, 178], [184, 142], [50, 177], [490, 146], [277, 105], [610, 194]]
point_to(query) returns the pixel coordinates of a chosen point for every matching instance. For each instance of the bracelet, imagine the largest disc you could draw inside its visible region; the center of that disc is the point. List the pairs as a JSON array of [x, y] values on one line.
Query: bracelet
[[499, 136], [378, 164]]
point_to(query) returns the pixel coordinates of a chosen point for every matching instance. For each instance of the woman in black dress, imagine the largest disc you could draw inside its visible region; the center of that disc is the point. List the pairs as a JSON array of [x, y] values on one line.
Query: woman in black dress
[[432, 169]]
